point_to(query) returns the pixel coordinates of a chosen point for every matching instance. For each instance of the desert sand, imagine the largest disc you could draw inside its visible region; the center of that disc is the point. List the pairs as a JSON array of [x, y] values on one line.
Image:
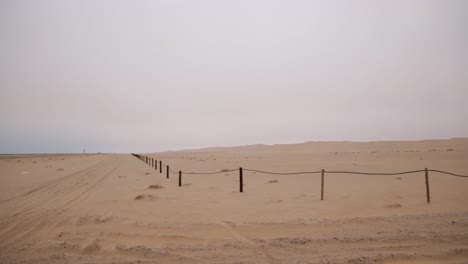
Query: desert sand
[[114, 208]]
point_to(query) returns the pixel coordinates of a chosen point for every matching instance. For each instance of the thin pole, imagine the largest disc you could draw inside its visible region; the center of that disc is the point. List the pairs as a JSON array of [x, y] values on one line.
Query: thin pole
[[155, 164], [160, 166], [323, 184], [241, 180], [428, 195], [180, 178], [167, 171]]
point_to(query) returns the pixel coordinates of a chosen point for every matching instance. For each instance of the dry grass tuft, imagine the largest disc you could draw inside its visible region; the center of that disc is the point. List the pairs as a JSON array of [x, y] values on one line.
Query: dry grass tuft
[[155, 186], [145, 197]]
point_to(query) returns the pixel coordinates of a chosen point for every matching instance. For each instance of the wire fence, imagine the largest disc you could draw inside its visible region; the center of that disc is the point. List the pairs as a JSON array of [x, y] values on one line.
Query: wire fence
[[154, 163], [283, 173]]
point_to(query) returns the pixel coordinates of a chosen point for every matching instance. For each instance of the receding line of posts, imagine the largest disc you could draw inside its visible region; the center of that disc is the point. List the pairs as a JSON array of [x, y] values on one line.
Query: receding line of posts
[[154, 163]]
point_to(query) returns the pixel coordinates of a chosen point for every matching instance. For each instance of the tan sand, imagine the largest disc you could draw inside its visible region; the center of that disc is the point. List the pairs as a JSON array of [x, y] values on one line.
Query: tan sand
[[101, 208]]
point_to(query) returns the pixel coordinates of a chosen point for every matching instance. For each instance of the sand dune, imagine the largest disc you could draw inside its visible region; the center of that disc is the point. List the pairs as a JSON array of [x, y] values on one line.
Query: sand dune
[[117, 209]]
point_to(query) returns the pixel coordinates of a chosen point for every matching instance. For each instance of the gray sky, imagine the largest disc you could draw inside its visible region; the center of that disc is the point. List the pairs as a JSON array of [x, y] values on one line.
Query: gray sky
[[134, 76]]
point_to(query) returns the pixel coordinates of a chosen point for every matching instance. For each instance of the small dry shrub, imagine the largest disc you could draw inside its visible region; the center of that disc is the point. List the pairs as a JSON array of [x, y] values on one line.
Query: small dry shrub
[[155, 186]]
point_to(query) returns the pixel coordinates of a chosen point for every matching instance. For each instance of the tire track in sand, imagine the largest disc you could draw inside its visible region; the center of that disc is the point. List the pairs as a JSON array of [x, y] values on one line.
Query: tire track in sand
[[25, 215], [259, 250], [47, 184]]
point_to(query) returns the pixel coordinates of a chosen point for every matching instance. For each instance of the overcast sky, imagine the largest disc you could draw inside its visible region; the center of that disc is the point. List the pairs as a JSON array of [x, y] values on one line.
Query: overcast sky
[[135, 76]]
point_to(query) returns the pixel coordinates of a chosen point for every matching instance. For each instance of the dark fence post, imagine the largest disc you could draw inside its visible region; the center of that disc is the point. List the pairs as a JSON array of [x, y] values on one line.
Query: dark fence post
[[167, 171], [241, 180], [160, 166], [180, 178], [428, 195], [323, 180], [155, 164], [152, 162]]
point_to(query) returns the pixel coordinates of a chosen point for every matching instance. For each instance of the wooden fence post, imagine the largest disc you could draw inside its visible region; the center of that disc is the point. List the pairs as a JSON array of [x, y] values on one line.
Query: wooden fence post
[[241, 180], [167, 171], [428, 195], [180, 178], [155, 164], [323, 184], [160, 166]]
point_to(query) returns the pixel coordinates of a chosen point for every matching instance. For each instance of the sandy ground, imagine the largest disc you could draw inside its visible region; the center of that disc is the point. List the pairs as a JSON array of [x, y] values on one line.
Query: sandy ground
[[100, 209]]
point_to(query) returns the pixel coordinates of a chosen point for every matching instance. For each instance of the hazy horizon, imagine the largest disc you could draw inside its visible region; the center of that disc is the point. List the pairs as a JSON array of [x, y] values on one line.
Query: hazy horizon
[[231, 146], [151, 76]]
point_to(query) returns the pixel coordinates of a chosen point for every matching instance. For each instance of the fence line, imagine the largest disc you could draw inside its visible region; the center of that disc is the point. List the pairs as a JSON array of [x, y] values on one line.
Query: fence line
[[210, 173], [449, 173], [154, 163], [374, 173], [283, 173]]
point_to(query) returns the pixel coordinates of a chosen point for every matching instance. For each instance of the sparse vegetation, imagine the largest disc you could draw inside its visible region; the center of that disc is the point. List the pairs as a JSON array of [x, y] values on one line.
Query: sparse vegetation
[[155, 186]]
